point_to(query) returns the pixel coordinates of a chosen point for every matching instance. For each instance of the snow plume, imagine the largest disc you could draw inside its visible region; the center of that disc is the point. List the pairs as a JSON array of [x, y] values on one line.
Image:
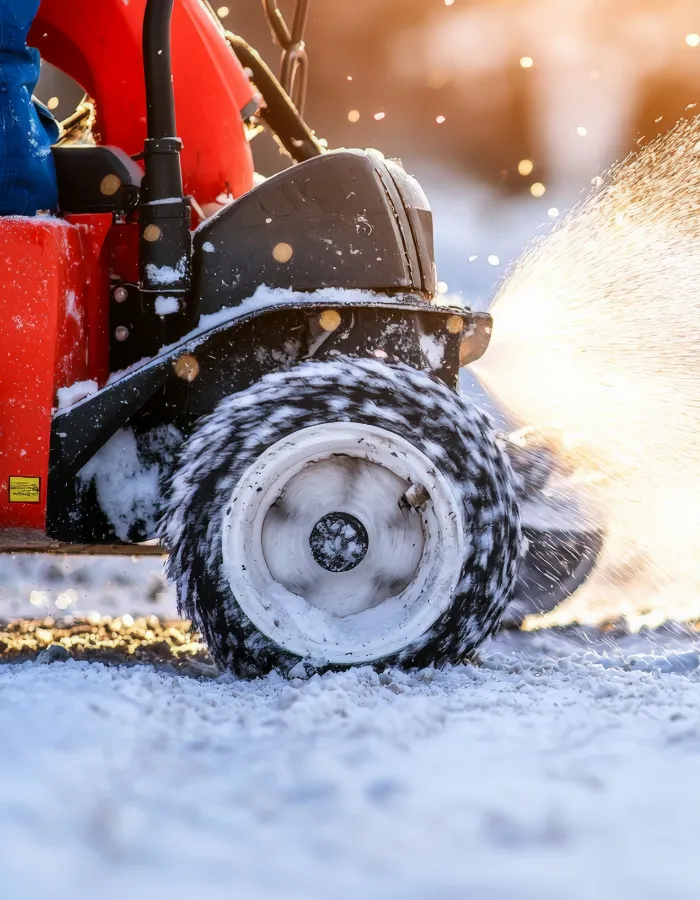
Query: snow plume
[[597, 334]]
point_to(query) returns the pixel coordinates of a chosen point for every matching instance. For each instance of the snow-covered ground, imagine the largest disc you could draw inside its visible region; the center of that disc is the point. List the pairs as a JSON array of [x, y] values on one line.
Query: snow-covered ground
[[552, 771], [34, 585], [566, 765]]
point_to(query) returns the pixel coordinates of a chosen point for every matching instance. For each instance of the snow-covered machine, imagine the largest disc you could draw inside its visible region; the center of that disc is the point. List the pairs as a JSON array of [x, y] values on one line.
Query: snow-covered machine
[[253, 373]]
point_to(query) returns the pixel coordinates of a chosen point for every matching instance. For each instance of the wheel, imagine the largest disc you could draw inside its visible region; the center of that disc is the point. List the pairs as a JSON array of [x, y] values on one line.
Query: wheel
[[342, 513]]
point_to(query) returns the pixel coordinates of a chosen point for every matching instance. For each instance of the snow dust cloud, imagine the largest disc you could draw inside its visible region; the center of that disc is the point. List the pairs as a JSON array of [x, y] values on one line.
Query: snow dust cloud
[[597, 335]]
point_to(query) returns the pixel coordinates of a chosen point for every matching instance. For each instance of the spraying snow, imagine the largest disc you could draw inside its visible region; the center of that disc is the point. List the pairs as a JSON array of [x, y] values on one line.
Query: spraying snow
[[597, 335]]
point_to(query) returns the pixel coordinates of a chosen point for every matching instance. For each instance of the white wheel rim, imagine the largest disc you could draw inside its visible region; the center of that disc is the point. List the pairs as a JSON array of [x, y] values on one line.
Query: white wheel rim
[[403, 564]]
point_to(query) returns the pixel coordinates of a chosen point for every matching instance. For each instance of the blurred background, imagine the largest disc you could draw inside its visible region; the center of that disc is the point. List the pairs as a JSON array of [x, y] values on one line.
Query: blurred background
[[505, 109]]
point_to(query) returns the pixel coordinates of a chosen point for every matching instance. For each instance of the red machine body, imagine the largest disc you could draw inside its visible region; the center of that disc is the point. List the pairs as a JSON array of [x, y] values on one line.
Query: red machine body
[[54, 285], [54, 277], [99, 45]]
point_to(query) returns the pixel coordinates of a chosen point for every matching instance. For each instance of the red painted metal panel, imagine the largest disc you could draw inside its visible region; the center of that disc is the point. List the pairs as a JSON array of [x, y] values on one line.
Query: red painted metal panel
[[47, 270], [98, 42]]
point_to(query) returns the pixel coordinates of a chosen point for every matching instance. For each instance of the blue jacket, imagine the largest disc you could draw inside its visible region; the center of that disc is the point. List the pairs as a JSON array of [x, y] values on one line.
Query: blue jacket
[[27, 174]]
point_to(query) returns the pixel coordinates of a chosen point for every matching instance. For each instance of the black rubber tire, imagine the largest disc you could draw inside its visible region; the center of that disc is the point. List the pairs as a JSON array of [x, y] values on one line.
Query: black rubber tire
[[447, 428]]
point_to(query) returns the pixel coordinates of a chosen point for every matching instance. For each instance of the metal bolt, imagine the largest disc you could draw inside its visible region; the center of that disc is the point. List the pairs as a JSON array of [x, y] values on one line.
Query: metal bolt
[[416, 495], [121, 332], [120, 294]]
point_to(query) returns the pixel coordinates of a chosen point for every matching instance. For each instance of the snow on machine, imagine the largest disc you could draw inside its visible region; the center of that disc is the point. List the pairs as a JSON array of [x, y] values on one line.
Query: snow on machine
[[263, 384]]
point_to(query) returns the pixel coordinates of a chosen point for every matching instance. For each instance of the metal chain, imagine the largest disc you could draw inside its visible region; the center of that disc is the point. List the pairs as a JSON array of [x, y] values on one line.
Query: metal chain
[[295, 63]]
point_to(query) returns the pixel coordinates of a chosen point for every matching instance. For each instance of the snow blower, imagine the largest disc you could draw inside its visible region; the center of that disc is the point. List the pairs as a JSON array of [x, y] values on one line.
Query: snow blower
[[252, 372]]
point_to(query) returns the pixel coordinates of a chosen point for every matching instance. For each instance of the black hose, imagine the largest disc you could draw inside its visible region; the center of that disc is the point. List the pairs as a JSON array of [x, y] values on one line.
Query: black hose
[[164, 213], [160, 96]]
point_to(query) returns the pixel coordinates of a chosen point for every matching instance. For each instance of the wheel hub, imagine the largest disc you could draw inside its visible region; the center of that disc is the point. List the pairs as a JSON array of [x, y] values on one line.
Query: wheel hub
[[298, 552], [339, 542]]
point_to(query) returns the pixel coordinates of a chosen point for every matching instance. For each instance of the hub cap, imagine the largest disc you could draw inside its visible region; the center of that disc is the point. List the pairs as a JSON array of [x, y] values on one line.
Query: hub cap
[[339, 542], [324, 554]]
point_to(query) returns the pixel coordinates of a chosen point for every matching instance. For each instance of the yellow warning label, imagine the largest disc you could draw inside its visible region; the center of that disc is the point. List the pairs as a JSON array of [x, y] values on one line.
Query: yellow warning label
[[25, 490]]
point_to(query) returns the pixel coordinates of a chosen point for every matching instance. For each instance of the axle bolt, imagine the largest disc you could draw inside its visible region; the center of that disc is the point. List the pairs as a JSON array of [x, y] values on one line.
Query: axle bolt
[[121, 332], [120, 294], [416, 495]]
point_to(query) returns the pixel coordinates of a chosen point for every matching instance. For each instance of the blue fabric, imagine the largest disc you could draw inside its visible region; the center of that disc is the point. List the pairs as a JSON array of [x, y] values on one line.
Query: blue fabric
[[27, 173]]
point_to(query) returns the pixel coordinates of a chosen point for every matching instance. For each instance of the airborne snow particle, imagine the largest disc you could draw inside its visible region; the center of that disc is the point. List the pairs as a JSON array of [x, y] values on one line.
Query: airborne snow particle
[[525, 166], [40, 598], [354, 115], [527, 62], [537, 189], [282, 252], [596, 335], [493, 260], [379, 116], [581, 131], [692, 40], [66, 599]]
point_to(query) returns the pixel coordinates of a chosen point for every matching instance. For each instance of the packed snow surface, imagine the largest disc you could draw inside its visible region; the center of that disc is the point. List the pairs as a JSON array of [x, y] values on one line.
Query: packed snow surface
[[551, 771], [566, 765]]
